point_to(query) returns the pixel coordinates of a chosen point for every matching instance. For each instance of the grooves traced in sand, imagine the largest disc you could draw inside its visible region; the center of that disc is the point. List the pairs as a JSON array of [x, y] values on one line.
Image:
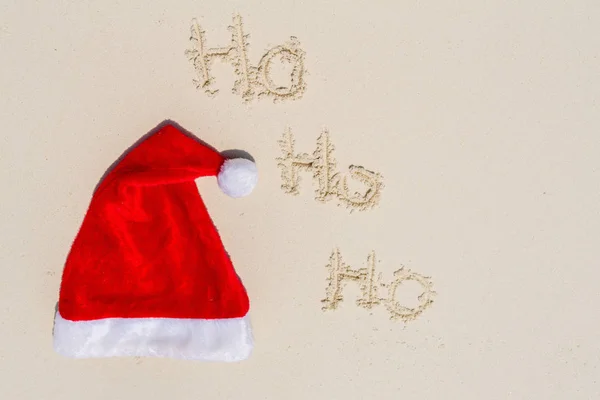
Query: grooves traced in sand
[[370, 286], [330, 184], [251, 82]]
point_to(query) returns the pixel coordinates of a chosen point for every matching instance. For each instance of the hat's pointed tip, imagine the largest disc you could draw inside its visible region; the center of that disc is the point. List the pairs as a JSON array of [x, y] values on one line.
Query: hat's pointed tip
[[168, 126]]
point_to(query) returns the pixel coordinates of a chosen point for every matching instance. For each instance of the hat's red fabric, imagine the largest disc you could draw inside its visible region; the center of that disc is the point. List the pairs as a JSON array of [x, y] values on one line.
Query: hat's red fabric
[[147, 246]]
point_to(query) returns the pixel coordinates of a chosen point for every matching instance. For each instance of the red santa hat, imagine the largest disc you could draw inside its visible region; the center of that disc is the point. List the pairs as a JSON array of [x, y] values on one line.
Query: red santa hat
[[147, 274]]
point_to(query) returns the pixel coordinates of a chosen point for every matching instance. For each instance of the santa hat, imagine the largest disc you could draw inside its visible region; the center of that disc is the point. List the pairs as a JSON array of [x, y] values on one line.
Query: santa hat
[[147, 274]]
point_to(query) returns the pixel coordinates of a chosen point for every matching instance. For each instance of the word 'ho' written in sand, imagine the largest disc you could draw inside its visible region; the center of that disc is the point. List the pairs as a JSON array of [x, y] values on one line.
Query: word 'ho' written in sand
[[330, 184], [251, 82], [371, 287]]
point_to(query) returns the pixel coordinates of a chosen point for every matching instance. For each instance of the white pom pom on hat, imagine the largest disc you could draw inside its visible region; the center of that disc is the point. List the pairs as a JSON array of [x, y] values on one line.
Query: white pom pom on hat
[[237, 177]]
